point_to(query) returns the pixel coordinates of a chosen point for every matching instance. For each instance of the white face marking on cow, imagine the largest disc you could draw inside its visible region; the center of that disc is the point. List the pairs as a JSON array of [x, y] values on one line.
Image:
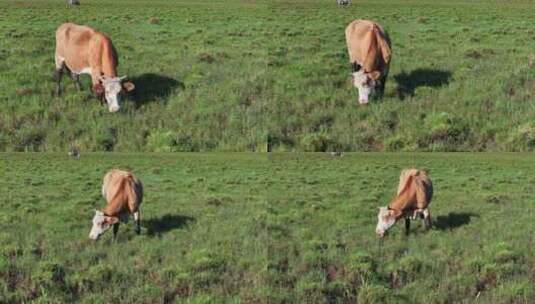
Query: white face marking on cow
[[365, 85], [385, 220], [112, 90], [100, 225]]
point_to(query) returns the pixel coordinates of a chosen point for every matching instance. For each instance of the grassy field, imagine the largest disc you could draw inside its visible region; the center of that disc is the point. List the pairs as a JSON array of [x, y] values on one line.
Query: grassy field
[[461, 78], [198, 68], [255, 75], [323, 211], [283, 228], [201, 240]]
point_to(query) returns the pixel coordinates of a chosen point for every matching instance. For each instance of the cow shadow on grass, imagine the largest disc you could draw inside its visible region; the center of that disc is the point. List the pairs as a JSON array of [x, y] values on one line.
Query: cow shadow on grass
[[166, 223], [150, 87], [453, 220], [409, 82]]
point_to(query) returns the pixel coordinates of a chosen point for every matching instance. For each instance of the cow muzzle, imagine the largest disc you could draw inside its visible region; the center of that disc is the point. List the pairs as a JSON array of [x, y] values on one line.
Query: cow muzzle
[[380, 233], [113, 109], [113, 102], [364, 96]]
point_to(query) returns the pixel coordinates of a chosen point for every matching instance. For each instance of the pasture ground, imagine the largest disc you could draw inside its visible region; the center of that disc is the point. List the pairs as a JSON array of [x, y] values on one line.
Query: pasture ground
[[201, 234], [323, 213], [462, 77], [198, 67], [281, 228], [240, 75]]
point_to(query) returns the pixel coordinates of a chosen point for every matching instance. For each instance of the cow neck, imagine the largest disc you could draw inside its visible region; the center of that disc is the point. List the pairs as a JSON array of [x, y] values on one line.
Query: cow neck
[[111, 210], [114, 207], [393, 206], [109, 60], [397, 212], [108, 71], [397, 204]]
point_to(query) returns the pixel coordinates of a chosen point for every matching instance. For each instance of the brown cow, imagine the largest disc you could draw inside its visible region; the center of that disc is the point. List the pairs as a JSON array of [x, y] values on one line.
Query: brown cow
[[83, 50], [415, 191], [124, 194], [369, 51]]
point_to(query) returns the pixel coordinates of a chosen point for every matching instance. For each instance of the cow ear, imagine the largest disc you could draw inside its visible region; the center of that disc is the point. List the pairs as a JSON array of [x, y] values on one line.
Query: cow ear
[[98, 88], [112, 220], [375, 75], [128, 86], [394, 213]]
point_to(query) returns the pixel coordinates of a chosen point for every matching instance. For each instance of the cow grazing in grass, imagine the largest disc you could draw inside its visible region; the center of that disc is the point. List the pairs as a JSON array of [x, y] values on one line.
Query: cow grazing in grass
[[415, 191], [82, 50], [369, 51], [73, 2], [124, 194], [343, 2]]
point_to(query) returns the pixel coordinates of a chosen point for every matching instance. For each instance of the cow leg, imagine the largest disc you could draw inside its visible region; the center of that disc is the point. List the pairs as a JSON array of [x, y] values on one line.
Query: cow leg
[[58, 73], [115, 230], [382, 84], [407, 225], [427, 219], [137, 221], [76, 79], [382, 88]]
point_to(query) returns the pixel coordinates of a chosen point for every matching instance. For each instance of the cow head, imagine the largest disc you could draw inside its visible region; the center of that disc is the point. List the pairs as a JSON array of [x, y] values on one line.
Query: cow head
[[112, 87], [101, 223], [365, 82], [385, 219]]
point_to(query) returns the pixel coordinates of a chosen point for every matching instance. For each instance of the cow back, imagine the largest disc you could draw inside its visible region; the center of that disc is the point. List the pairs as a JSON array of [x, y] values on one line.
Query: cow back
[[368, 45]]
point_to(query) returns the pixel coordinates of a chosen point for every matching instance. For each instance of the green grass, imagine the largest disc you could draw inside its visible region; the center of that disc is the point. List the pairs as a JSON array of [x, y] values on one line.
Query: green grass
[[246, 75], [201, 237], [322, 216], [255, 75], [283, 228], [461, 78], [199, 74]]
